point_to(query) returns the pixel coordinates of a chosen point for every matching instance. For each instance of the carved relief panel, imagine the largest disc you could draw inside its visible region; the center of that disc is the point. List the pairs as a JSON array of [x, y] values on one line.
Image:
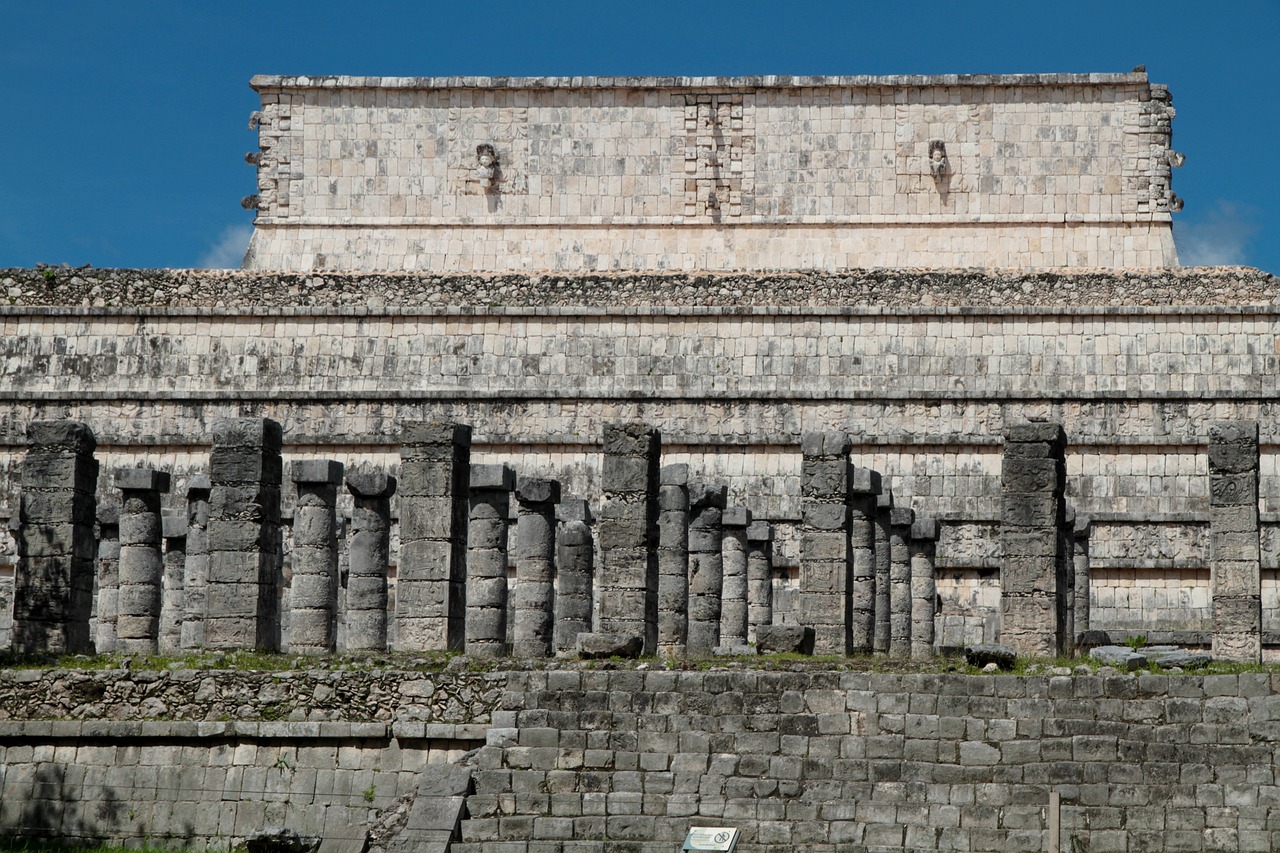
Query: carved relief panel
[[715, 177]]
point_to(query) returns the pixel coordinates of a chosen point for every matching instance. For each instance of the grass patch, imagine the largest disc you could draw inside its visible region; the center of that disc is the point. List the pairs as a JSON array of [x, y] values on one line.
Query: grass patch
[[39, 845]]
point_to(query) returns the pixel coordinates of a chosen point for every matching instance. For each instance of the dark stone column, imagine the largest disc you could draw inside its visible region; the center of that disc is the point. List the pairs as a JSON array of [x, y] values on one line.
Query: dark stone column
[[1080, 565], [196, 574], [487, 562], [880, 535], [107, 599], [313, 595], [759, 577], [141, 559], [535, 567], [173, 595], [243, 591], [924, 586], [900, 521], [863, 488], [431, 596], [673, 561], [575, 559], [733, 596], [1235, 548], [706, 567], [1033, 604], [53, 580], [629, 533], [366, 614], [825, 564]]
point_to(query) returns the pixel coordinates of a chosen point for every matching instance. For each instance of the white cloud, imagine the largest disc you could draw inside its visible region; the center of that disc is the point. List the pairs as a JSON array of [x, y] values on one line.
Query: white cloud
[[1221, 238], [228, 251]]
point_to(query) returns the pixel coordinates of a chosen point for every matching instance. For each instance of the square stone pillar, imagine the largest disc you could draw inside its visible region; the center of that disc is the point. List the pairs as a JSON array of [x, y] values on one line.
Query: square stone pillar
[[431, 580], [673, 561], [534, 611], [196, 573], [313, 594], [575, 566], [864, 486], [1033, 595], [1235, 549], [487, 561], [245, 572], [53, 580], [826, 567], [629, 533]]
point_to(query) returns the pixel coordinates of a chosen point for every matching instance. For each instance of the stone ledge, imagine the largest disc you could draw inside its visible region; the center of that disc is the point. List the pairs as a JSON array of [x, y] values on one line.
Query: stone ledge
[[259, 82]]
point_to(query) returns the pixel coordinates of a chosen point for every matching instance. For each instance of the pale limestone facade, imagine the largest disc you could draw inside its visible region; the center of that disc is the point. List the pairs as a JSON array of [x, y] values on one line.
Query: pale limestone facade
[[760, 173]]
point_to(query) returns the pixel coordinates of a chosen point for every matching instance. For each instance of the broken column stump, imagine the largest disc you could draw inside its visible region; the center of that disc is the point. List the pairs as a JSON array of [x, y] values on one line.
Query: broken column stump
[[706, 566], [534, 610], [575, 565], [673, 560], [141, 559], [487, 561], [368, 555]]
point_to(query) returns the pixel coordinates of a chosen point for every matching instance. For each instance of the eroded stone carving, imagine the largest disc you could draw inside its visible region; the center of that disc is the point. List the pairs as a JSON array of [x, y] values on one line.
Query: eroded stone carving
[[486, 171], [938, 165]]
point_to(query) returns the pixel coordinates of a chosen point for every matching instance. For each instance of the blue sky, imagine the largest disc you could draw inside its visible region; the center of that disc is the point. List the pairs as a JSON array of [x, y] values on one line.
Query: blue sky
[[125, 123]]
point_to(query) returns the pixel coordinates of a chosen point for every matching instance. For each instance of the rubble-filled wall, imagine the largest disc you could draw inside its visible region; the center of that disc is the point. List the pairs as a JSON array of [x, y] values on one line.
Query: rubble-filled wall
[[923, 371], [757, 173], [592, 760]]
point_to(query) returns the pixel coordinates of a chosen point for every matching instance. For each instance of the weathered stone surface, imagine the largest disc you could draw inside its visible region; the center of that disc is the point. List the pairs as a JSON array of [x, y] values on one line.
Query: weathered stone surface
[[628, 532], [981, 654], [605, 645], [487, 559], [1234, 535], [1120, 657], [534, 606], [435, 463], [368, 555], [780, 639]]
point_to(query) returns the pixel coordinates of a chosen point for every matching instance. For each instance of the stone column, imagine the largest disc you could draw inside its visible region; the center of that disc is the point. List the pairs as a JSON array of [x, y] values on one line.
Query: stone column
[[733, 596], [629, 533], [1080, 565], [924, 586], [1033, 605], [880, 535], [825, 564], [243, 587], [487, 561], [1234, 543], [863, 488], [313, 595], [173, 595], [534, 612], [141, 560], [706, 567], [1067, 575], [900, 521], [575, 559], [107, 599], [673, 561], [53, 580], [431, 597], [759, 577], [366, 614], [196, 574]]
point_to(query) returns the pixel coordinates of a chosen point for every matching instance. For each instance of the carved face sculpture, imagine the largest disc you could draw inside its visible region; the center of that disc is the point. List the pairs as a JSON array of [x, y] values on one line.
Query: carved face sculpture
[[937, 158], [487, 157]]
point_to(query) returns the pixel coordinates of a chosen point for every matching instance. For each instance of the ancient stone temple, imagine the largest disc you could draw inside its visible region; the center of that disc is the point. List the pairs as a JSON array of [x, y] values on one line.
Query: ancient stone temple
[[538, 371]]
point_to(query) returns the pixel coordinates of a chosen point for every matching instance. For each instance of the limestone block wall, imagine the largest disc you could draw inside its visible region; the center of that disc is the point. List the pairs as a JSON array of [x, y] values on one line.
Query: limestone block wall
[[922, 370], [586, 760], [462, 174]]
